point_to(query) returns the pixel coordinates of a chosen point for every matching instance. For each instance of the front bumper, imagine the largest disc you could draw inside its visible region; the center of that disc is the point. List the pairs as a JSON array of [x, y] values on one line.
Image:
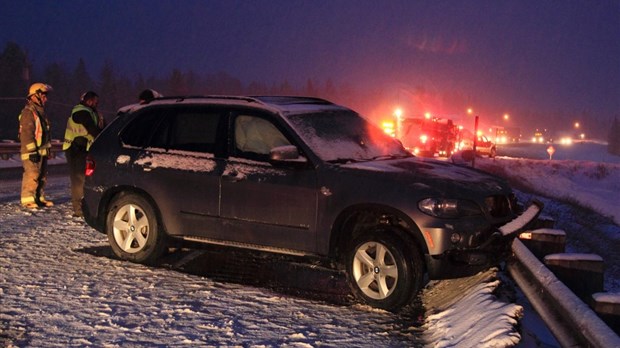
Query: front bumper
[[456, 263]]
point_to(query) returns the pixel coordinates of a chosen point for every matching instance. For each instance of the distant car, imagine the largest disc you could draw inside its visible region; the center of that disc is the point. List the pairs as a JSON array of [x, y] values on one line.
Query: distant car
[[292, 175], [484, 146]]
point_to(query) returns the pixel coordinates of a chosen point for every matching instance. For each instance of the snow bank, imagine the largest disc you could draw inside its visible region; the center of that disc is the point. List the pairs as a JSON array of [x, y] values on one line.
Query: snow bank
[[472, 316], [593, 185]]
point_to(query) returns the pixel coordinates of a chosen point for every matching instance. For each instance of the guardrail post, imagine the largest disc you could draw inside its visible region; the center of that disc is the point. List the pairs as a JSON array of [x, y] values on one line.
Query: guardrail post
[[572, 322], [607, 306], [544, 221], [544, 241], [582, 273]]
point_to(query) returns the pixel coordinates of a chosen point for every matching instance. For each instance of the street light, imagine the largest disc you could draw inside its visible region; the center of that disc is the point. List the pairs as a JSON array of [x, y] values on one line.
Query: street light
[[506, 117], [398, 113]]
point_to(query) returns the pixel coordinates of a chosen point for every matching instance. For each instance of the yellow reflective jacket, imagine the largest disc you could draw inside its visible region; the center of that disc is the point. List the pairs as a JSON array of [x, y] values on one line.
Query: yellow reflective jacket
[[75, 130]]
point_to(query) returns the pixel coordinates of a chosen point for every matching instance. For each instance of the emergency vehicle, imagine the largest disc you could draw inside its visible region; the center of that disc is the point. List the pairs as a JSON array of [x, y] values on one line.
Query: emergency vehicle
[[428, 137]]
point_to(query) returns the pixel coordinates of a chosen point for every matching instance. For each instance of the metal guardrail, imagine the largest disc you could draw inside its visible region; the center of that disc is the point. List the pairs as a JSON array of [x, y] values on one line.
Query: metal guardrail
[[10, 150], [572, 322]]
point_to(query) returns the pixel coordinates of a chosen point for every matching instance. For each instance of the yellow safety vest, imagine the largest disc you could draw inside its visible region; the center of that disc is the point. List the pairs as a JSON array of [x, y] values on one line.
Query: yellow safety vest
[[75, 130]]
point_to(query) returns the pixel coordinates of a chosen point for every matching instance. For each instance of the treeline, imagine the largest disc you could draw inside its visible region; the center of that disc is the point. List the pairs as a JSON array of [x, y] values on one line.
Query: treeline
[[115, 90], [613, 142]]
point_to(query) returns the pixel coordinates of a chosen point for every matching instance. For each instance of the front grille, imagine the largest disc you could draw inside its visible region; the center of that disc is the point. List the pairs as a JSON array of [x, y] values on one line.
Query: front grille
[[498, 206]]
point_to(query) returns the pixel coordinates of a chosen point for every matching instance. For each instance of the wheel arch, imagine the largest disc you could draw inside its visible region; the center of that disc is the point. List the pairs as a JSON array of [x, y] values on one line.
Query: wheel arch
[[116, 192], [354, 220]]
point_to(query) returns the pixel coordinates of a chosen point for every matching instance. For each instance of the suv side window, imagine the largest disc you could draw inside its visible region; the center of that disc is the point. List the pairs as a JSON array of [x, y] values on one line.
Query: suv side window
[[188, 129], [256, 136], [140, 130]]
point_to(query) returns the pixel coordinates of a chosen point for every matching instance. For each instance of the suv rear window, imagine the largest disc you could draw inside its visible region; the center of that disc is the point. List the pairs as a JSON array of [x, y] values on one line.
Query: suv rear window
[[187, 129], [139, 131]]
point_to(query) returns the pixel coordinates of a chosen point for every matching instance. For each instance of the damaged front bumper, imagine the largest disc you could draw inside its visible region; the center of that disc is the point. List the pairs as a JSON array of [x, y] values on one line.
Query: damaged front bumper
[[456, 263]]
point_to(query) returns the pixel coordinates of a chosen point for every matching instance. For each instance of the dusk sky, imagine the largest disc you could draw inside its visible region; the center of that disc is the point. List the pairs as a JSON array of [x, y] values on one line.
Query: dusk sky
[[506, 56]]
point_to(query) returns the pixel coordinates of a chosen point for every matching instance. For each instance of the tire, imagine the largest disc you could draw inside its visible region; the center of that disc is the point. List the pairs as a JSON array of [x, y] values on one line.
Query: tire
[[384, 269], [133, 230], [492, 153]]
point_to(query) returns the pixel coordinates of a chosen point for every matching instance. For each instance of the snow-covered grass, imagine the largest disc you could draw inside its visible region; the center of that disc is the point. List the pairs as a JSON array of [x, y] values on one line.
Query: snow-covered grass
[[592, 185], [582, 196]]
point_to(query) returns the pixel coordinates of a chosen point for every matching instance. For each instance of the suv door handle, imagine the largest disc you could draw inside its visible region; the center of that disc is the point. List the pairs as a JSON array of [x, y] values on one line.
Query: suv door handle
[[147, 167], [232, 177]]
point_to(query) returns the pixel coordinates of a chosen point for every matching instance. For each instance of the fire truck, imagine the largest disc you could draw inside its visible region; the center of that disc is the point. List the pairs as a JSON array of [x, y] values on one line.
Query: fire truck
[[428, 137]]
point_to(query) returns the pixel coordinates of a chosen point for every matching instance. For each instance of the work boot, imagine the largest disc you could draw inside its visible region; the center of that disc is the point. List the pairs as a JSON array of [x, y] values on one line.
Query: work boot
[[44, 203], [31, 205]]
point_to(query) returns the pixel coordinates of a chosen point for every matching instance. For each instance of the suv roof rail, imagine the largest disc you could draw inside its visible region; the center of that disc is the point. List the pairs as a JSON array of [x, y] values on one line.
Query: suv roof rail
[[227, 97], [268, 99], [289, 100]]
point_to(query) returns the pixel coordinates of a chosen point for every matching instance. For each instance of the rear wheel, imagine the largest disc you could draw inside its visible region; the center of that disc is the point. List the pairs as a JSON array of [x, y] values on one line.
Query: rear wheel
[[385, 270], [133, 230]]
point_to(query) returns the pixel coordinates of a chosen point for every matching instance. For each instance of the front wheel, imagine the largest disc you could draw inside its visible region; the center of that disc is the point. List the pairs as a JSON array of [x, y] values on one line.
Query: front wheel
[[385, 270], [133, 230]]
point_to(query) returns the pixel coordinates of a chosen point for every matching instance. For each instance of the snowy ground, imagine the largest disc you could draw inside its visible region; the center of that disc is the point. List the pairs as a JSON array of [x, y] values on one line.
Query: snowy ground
[[60, 286]]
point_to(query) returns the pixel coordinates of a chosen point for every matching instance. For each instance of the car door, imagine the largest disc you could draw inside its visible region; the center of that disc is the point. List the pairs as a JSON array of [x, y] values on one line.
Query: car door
[[262, 204], [180, 170]]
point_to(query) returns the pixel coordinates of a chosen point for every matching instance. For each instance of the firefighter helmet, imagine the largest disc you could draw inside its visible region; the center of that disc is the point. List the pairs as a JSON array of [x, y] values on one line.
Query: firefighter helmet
[[39, 87]]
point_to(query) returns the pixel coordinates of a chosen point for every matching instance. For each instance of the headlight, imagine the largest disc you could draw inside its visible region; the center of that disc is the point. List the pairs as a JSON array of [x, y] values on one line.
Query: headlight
[[448, 208]]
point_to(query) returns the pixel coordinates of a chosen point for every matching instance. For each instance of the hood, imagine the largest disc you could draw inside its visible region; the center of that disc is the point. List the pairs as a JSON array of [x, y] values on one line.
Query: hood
[[429, 174]]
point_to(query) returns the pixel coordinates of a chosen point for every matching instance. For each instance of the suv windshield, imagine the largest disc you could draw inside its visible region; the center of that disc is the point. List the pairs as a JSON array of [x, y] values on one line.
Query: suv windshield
[[343, 136]]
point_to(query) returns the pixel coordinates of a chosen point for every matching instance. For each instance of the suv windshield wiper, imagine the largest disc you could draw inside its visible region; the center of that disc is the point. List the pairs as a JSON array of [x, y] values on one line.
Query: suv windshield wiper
[[390, 156], [346, 160], [375, 158]]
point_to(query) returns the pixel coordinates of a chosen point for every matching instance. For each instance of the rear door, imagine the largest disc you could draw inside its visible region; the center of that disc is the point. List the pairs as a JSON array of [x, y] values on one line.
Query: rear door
[[180, 170]]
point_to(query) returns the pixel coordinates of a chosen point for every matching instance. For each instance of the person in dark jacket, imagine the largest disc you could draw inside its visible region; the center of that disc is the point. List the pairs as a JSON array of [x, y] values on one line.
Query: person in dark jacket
[[35, 139], [147, 96], [84, 124]]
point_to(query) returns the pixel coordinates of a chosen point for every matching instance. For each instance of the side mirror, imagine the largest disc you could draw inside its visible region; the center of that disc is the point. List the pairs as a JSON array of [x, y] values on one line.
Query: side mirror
[[286, 155]]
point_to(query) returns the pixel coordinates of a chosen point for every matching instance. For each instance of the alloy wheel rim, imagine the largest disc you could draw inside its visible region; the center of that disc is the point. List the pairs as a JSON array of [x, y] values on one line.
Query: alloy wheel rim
[[131, 228], [375, 270]]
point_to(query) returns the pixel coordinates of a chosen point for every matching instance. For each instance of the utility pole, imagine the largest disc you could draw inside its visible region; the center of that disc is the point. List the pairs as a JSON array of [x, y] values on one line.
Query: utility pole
[[473, 160]]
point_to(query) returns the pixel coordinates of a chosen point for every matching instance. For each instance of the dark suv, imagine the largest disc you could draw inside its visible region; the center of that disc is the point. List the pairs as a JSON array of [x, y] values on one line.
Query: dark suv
[[292, 175]]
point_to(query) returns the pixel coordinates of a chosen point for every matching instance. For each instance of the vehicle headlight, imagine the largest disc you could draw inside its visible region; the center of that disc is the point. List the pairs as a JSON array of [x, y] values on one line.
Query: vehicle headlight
[[448, 208]]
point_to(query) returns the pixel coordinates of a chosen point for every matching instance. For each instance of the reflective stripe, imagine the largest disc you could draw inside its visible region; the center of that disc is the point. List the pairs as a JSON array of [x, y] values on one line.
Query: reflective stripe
[[25, 200], [42, 151]]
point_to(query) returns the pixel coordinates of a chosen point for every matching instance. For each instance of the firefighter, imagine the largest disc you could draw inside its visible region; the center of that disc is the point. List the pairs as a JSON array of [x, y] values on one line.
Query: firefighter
[[83, 126], [35, 139]]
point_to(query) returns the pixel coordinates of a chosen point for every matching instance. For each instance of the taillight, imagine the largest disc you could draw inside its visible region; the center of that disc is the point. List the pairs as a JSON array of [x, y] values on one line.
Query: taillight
[[90, 165]]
